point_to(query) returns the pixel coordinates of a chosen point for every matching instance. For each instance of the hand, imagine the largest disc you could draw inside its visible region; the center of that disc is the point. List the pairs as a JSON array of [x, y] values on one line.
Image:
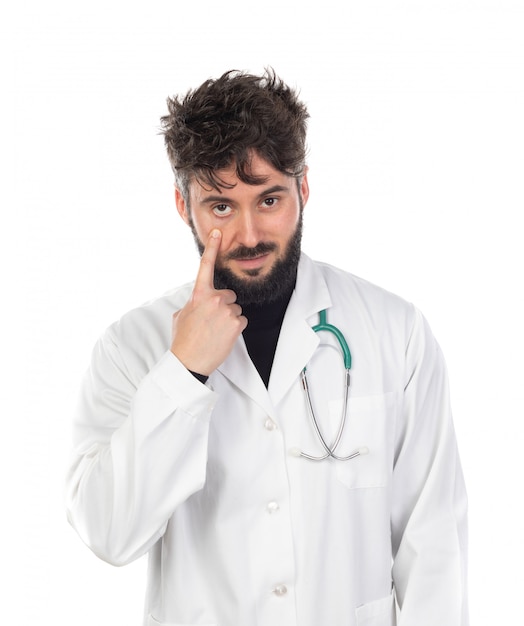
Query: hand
[[206, 329]]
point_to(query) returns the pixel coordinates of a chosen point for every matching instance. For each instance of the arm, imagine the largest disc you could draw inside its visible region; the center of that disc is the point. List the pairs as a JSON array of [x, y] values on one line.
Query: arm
[[141, 448], [139, 452], [429, 499]]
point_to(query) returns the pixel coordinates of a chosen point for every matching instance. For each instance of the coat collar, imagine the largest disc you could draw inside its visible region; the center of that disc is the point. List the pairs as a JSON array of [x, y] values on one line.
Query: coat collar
[[296, 343]]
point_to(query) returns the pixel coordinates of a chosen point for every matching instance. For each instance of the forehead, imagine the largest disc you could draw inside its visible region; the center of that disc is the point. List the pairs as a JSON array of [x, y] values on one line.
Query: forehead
[[258, 167]]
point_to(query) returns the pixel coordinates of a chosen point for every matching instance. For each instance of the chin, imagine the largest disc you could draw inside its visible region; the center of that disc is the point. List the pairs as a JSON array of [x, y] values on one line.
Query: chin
[[252, 274]]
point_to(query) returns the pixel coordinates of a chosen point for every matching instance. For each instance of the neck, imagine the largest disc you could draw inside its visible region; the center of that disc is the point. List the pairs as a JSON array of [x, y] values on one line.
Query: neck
[[269, 313]]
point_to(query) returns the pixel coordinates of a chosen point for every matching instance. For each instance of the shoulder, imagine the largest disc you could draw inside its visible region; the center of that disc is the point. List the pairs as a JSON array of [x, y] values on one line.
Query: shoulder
[[144, 332], [376, 318], [152, 310], [355, 291]]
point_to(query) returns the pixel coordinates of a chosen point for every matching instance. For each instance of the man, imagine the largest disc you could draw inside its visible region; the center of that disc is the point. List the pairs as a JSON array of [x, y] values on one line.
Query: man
[[195, 441]]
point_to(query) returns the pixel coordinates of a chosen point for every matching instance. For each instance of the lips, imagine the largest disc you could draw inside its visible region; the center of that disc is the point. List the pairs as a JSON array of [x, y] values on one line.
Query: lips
[[252, 262]]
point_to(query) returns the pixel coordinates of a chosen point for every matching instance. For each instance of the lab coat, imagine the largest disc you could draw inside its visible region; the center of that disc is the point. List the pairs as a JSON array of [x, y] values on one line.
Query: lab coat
[[239, 531]]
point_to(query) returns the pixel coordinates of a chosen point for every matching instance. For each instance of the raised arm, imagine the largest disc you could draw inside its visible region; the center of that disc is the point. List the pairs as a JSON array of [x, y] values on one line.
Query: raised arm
[[140, 437]]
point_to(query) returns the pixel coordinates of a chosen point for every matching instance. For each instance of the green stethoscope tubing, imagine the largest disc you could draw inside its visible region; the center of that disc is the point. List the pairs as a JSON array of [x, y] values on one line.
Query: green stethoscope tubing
[[323, 325], [330, 450]]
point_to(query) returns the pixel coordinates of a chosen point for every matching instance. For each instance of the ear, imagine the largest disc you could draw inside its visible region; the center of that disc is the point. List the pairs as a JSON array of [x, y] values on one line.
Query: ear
[[181, 206], [304, 187]]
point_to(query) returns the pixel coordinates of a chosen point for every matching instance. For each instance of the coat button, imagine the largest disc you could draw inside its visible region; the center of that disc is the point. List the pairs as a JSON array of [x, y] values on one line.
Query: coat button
[[272, 507], [269, 424], [280, 590]]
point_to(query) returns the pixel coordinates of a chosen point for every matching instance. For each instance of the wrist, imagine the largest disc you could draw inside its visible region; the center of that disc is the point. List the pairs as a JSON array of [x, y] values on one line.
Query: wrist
[[201, 377]]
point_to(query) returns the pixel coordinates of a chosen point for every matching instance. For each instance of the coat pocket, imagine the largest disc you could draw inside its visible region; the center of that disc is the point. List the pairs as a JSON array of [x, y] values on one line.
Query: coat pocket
[[370, 424], [378, 613]]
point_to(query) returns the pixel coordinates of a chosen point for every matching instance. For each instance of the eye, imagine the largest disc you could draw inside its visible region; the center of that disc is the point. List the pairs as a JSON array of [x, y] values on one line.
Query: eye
[[269, 202], [222, 210]]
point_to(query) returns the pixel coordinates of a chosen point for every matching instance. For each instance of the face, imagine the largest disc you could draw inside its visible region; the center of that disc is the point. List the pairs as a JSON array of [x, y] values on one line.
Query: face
[[260, 225]]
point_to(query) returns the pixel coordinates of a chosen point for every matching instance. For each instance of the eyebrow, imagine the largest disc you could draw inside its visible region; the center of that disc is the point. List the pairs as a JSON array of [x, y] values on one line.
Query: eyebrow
[[262, 194]]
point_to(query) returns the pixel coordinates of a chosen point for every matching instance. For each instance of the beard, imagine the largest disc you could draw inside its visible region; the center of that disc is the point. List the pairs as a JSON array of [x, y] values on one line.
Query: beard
[[265, 289]]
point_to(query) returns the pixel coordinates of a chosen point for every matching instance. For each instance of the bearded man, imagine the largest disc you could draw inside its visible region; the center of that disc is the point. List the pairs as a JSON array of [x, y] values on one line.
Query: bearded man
[[217, 431]]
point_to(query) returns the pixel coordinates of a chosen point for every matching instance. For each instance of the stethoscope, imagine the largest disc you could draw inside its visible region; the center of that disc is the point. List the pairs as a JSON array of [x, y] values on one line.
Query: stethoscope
[[330, 450]]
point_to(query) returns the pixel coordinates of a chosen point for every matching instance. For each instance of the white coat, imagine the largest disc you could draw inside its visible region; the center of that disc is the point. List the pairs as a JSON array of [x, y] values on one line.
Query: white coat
[[239, 531]]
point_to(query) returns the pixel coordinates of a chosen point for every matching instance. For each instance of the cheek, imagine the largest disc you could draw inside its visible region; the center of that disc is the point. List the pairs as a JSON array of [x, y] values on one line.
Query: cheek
[[287, 227], [226, 245], [201, 228], [280, 225]]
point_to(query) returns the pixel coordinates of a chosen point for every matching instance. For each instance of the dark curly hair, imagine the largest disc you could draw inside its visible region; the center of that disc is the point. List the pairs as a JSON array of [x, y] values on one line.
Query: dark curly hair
[[223, 121]]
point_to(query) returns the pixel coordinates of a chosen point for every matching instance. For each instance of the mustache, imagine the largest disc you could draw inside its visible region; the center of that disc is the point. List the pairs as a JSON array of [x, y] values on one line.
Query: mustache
[[243, 252]]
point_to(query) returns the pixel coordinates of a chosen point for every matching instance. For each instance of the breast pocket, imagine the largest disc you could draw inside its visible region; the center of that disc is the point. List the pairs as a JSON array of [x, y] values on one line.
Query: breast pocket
[[370, 422], [378, 613], [151, 621]]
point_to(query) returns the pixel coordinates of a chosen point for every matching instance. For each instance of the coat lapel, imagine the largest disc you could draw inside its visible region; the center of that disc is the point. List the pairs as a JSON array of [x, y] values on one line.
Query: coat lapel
[[297, 341], [241, 372]]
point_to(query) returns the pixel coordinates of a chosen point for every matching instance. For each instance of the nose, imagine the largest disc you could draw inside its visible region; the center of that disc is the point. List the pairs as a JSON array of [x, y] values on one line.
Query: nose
[[248, 232]]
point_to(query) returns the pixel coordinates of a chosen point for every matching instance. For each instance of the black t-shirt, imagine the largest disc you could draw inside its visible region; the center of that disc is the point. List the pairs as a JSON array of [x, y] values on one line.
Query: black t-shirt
[[262, 331]]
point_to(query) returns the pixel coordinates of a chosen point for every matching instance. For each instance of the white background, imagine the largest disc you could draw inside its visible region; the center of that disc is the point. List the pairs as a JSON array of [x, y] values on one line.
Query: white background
[[416, 175]]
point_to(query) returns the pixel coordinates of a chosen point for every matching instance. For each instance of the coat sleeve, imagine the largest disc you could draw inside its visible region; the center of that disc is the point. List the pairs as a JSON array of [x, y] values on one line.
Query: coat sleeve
[[429, 527], [140, 449]]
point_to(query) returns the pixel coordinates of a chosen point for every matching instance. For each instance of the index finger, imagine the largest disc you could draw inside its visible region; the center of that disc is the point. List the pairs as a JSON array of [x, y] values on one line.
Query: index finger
[[206, 271]]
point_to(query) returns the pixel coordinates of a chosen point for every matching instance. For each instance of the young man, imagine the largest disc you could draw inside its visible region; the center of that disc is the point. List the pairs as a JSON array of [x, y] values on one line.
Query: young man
[[262, 497]]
